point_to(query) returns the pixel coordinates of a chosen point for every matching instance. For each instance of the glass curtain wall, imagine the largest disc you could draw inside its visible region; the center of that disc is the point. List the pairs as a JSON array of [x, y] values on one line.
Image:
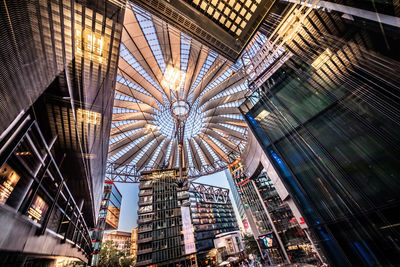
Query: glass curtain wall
[[333, 131], [294, 239]]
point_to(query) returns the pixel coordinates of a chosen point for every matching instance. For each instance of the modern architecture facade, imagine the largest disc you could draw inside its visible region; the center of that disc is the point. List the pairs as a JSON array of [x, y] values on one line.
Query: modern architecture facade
[[57, 79], [295, 240], [230, 24], [212, 214], [327, 119], [110, 209], [238, 202], [165, 231], [259, 219], [121, 241], [229, 242], [298, 99]]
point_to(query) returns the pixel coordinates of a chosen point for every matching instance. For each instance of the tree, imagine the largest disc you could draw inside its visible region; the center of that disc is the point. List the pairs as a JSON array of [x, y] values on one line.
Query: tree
[[125, 261], [250, 245], [109, 255]]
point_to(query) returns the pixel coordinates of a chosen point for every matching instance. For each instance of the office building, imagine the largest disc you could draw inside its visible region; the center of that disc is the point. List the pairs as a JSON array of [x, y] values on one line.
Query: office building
[[259, 219], [294, 239], [238, 203], [58, 69], [165, 230], [229, 243], [212, 214], [327, 119], [121, 241], [110, 209], [284, 217]]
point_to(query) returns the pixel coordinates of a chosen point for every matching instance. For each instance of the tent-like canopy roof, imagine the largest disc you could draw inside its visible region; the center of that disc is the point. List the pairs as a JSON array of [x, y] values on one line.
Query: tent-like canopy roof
[[158, 64]]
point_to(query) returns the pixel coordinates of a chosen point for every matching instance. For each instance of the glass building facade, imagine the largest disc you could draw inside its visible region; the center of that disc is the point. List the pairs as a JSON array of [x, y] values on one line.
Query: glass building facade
[[212, 214], [237, 200], [162, 215], [256, 213], [328, 119], [58, 70], [110, 208], [294, 239]]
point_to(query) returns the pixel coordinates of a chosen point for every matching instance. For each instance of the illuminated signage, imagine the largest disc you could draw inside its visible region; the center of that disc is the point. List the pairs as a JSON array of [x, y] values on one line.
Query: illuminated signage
[[187, 229], [38, 209], [163, 174], [267, 241], [8, 179]]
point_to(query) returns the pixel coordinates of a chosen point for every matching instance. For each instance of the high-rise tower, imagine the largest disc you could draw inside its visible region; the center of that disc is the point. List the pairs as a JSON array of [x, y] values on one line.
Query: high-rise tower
[[165, 232]]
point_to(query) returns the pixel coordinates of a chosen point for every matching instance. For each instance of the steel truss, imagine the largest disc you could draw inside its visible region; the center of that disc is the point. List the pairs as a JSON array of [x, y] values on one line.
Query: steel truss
[[129, 173], [209, 193]]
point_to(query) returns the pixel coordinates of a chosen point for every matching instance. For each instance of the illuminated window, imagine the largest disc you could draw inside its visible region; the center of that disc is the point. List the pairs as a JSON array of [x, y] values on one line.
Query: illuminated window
[[91, 45], [88, 116], [8, 179], [203, 5], [322, 59], [221, 6], [210, 10], [226, 11]]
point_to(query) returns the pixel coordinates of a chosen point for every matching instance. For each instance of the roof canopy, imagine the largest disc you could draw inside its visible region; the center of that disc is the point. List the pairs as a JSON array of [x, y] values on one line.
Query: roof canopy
[[158, 65]]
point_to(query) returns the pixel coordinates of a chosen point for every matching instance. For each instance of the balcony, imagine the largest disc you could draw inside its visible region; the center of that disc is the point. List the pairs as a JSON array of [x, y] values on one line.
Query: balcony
[[143, 230], [145, 192], [142, 203], [144, 240], [183, 195], [145, 185], [144, 220], [144, 251]]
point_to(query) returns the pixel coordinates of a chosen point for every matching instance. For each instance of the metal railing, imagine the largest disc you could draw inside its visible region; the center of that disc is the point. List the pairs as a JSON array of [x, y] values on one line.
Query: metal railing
[[42, 195]]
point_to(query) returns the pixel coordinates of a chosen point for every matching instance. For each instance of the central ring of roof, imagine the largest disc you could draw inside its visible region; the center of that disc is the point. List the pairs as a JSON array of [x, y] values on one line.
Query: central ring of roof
[[165, 119], [161, 69]]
